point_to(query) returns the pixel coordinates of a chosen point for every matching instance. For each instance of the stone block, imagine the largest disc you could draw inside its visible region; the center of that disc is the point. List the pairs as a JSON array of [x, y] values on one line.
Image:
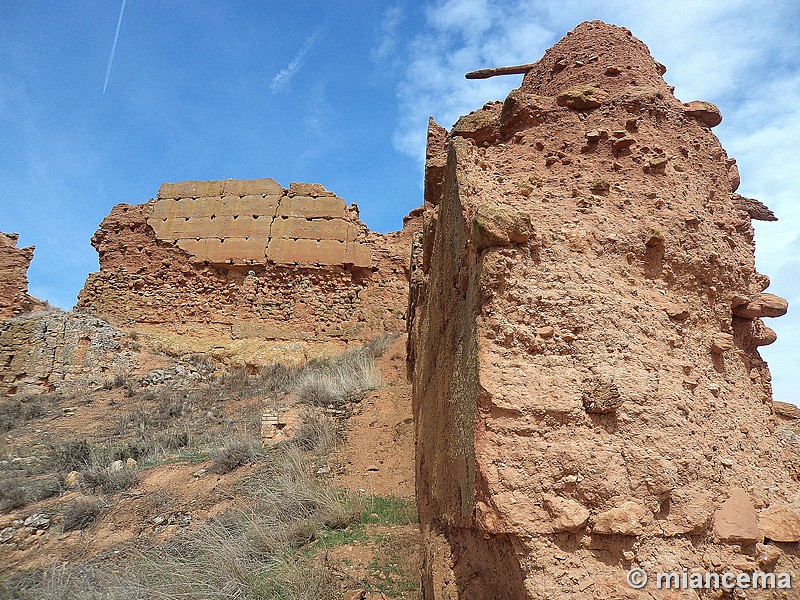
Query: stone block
[[736, 520], [358, 255], [316, 229], [306, 252], [262, 206], [314, 190], [246, 187], [307, 206], [230, 250], [186, 208], [189, 189]]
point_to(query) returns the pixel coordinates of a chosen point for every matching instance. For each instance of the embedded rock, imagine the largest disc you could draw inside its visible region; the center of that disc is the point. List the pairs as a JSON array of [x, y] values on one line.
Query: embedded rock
[[766, 305], [568, 515], [780, 523], [582, 97], [500, 226], [736, 520], [754, 208], [623, 520], [721, 342], [705, 113], [786, 410]]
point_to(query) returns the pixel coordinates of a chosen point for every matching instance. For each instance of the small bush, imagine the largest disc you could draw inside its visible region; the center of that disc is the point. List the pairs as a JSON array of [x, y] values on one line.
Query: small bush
[[316, 433], [68, 456], [82, 513], [276, 378], [235, 381], [201, 362], [19, 491], [45, 487], [20, 409], [12, 495], [107, 480], [236, 453], [121, 381]]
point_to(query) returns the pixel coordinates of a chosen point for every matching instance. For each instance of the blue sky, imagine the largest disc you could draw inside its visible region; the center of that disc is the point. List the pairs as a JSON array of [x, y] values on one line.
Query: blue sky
[[339, 93]]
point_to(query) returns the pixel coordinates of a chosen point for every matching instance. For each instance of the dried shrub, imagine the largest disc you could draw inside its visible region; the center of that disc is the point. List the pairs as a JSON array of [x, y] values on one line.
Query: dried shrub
[[73, 455], [82, 513], [316, 433], [108, 480], [13, 494], [20, 409], [334, 381], [44, 487], [234, 454]]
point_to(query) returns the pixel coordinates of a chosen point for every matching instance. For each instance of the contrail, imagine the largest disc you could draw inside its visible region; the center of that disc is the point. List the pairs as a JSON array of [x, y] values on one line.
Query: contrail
[[114, 46], [285, 75]]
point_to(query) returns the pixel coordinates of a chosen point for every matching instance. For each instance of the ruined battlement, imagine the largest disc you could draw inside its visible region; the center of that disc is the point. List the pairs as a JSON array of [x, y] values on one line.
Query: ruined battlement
[[585, 319], [249, 258], [258, 222], [14, 263]]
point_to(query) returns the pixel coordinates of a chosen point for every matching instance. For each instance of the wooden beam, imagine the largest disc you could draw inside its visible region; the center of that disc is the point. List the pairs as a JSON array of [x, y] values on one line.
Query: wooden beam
[[486, 73]]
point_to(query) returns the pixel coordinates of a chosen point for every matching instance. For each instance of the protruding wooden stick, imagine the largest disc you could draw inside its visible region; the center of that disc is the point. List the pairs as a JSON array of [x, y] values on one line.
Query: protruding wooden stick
[[486, 73]]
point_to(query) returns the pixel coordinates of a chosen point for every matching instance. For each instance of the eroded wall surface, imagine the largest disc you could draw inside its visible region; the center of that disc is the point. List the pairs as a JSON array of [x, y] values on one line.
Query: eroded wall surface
[[54, 351], [250, 259], [585, 323], [14, 263]]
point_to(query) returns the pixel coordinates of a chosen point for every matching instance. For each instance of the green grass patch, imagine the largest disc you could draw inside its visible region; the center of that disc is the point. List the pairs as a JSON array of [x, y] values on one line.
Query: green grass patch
[[388, 510]]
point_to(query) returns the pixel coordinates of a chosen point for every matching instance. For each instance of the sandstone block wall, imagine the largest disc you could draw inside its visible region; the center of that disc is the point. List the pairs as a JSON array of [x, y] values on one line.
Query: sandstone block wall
[[55, 351], [249, 259], [14, 263], [585, 323], [257, 221]]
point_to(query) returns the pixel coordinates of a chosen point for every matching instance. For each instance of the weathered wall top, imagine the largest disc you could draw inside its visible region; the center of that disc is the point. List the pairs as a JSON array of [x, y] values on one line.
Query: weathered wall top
[[257, 221], [14, 262], [249, 259]]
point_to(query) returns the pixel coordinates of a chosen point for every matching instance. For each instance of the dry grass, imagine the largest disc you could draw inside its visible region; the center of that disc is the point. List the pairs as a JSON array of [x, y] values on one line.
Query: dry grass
[[235, 453], [82, 513], [27, 481], [107, 480], [72, 455], [267, 548], [317, 433], [18, 409]]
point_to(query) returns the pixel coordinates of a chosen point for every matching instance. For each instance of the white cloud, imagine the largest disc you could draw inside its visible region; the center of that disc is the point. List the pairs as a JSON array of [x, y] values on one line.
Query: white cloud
[[285, 75], [389, 34]]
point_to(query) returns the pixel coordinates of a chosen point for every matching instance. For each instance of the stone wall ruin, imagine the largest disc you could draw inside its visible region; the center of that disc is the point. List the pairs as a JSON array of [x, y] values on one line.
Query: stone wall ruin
[[14, 263], [249, 259], [585, 323]]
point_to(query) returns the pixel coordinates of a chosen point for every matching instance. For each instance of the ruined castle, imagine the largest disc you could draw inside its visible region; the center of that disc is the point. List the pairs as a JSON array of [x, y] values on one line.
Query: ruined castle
[[583, 316]]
